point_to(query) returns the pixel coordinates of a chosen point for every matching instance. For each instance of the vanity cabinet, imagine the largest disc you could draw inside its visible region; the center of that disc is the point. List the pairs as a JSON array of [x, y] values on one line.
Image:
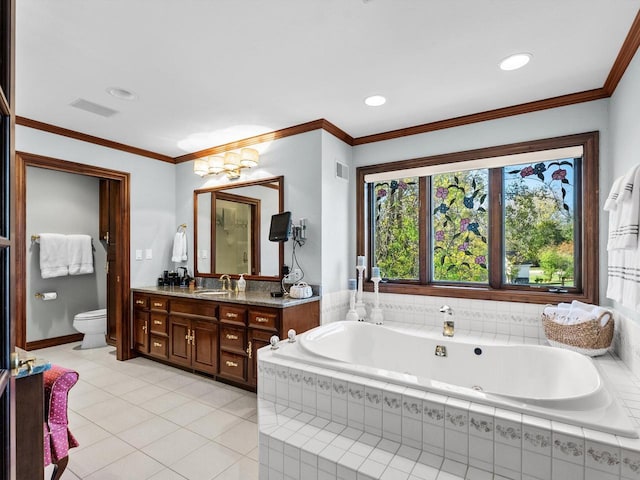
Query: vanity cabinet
[[213, 337]]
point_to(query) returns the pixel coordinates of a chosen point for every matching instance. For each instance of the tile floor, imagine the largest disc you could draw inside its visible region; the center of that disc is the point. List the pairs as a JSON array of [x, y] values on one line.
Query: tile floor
[[139, 419]]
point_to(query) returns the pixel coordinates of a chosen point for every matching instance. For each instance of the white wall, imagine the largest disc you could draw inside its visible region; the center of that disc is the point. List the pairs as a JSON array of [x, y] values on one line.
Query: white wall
[[59, 202], [152, 194], [298, 158], [625, 137], [338, 216], [580, 118]]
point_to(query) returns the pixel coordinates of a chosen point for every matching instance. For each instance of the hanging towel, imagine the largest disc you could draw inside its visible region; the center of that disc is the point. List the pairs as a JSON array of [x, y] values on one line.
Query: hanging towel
[[54, 255], [179, 247], [80, 254], [625, 219]]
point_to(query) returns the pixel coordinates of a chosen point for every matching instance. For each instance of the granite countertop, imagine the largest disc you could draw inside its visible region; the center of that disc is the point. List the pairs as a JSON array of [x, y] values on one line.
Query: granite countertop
[[258, 298]]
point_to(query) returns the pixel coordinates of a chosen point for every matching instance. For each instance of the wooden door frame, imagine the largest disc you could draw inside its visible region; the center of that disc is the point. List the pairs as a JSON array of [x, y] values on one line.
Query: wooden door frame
[[23, 160]]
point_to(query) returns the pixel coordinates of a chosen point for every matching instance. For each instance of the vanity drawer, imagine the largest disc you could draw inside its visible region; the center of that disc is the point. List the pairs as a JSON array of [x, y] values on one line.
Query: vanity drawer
[[202, 308], [233, 366], [232, 338], [263, 319], [159, 303], [159, 323], [140, 301], [233, 314], [159, 346]]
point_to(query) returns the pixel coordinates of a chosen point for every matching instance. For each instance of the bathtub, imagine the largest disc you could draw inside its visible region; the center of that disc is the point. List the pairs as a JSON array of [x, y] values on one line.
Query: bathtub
[[537, 380]]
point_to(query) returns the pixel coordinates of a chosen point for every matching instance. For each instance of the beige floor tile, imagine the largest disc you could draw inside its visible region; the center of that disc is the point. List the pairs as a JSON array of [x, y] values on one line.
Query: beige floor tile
[[165, 402], [167, 474], [187, 413], [254, 454], [88, 434], [148, 431], [241, 438], [78, 400], [124, 419], [144, 394], [97, 456], [197, 389], [178, 380], [126, 386], [213, 424], [104, 409], [244, 406], [216, 459], [174, 446], [219, 397], [243, 469], [137, 465]]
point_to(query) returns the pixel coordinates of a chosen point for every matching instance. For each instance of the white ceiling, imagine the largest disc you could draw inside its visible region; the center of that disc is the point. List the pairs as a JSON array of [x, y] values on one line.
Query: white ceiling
[[200, 66]]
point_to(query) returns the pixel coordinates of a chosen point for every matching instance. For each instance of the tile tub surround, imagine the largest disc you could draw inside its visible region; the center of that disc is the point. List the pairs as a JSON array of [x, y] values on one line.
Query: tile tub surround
[[319, 423], [503, 319]]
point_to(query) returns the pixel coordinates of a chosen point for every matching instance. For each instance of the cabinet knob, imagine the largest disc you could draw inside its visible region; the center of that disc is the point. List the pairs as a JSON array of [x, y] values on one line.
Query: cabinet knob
[[232, 315], [157, 304], [145, 327], [231, 364], [157, 344], [250, 350], [139, 302], [262, 319], [231, 337], [157, 322]]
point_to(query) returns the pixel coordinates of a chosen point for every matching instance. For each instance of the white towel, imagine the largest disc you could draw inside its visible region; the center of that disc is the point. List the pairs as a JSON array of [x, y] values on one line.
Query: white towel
[[568, 316], [179, 247], [624, 220], [80, 254], [611, 203], [54, 255]]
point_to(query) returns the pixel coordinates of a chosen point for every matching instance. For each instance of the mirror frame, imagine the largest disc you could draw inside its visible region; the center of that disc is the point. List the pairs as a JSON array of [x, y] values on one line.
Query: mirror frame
[[262, 181]]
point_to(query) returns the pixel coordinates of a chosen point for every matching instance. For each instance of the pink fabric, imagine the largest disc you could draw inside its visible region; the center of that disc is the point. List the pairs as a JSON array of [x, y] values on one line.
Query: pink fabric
[[57, 437]]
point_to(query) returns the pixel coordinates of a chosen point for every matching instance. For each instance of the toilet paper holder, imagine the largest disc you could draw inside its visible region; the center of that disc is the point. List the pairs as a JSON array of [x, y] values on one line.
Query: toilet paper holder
[[46, 296]]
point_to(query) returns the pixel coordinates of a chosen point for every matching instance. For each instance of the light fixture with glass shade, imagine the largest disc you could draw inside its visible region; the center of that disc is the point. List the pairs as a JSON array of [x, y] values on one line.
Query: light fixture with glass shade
[[230, 163]]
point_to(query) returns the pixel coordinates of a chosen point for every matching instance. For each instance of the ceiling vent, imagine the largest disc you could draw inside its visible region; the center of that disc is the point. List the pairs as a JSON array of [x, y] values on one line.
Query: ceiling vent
[[342, 171], [91, 107]]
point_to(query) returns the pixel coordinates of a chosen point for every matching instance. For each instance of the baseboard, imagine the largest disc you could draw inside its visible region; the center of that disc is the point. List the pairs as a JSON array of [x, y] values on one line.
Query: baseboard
[[52, 342]]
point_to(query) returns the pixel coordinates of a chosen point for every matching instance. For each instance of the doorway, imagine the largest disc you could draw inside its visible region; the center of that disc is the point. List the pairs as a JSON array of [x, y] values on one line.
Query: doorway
[[114, 235]]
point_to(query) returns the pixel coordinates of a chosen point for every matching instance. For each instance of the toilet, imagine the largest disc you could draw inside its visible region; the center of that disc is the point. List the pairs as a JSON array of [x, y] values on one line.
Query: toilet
[[94, 326]]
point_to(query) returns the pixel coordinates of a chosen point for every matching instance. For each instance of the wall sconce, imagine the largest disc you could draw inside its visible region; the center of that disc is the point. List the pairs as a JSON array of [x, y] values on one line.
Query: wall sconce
[[230, 163]]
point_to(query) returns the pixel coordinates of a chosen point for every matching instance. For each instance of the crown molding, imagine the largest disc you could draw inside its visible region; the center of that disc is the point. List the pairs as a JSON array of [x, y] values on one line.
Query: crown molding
[[47, 127], [625, 55]]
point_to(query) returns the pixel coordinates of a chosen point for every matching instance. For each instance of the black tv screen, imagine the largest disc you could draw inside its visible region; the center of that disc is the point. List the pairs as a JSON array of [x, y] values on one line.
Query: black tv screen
[[280, 227]]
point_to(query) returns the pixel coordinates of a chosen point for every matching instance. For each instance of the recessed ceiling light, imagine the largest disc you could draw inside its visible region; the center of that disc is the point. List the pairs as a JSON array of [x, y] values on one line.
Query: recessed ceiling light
[[375, 100], [121, 93], [515, 62]]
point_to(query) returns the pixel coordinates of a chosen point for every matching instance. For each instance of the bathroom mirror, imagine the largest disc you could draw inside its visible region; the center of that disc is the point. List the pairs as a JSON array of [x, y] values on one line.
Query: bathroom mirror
[[232, 229]]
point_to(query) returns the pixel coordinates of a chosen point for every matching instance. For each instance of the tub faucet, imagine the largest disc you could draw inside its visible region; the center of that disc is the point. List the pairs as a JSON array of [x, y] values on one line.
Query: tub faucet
[[447, 325], [225, 280]]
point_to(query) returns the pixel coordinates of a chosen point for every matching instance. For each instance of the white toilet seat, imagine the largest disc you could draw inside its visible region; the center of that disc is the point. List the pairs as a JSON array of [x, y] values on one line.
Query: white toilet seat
[[94, 326]]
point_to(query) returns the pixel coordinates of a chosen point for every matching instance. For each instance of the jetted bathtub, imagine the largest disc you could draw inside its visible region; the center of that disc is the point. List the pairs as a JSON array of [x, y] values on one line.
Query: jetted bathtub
[[543, 381]]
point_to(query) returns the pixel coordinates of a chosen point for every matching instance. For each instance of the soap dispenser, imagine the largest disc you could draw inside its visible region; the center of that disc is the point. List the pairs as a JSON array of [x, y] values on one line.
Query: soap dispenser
[[242, 283]]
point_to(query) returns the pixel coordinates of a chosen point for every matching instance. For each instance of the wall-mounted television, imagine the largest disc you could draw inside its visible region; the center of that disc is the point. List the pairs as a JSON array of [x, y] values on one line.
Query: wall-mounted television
[[280, 227]]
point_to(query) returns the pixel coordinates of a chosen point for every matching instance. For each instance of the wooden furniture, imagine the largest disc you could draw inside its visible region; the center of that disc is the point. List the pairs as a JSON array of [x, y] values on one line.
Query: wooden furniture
[[215, 337], [30, 417]]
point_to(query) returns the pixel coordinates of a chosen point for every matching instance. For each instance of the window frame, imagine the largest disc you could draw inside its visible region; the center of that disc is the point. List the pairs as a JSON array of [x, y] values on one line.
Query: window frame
[[587, 215]]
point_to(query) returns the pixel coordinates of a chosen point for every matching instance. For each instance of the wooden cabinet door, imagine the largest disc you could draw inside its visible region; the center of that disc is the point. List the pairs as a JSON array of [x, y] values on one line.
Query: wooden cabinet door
[[257, 340], [205, 346], [140, 331], [179, 340]]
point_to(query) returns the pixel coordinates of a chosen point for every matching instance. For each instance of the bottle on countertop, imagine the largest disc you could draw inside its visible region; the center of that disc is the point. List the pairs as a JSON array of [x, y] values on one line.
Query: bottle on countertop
[[242, 283]]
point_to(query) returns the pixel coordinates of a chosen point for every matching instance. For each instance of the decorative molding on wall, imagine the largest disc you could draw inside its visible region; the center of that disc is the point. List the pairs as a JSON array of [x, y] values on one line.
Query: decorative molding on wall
[[52, 342], [628, 50], [46, 127], [625, 55], [523, 108]]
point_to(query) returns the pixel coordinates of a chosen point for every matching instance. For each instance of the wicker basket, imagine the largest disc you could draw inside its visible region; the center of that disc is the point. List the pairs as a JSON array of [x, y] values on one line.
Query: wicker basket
[[589, 338]]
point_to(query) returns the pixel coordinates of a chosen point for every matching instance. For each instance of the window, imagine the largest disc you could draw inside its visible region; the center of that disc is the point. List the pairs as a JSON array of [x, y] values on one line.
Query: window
[[516, 222]]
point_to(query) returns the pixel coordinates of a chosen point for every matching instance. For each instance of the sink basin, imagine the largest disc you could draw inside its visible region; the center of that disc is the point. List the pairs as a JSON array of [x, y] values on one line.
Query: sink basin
[[213, 292]]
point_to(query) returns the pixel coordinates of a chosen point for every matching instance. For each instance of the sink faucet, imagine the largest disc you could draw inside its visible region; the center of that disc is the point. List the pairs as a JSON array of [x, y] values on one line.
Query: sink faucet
[[225, 280], [447, 325]]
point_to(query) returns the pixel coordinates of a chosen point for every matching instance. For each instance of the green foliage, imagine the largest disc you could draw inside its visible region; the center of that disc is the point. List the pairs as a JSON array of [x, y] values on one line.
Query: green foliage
[[557, 261], [396, 240], [460, 225]]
